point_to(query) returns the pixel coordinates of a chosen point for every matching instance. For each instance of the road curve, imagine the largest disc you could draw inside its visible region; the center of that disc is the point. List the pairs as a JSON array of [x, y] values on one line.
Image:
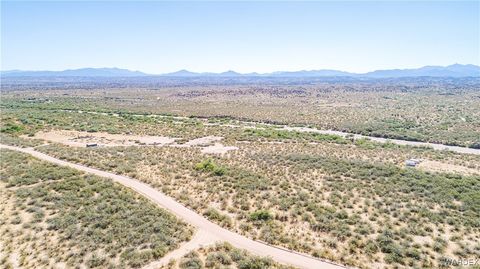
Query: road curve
[[214, 231]]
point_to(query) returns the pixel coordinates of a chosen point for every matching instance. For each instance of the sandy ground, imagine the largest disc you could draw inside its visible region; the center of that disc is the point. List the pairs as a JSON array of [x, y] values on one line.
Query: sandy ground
[[436, 166], [200, 239], [218, 148], [80, 139], [203, 141], [209, 144], [210, 229]]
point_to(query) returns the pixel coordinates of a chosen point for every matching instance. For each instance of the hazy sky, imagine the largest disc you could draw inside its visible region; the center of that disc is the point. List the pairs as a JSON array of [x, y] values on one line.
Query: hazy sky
[[158, 37]]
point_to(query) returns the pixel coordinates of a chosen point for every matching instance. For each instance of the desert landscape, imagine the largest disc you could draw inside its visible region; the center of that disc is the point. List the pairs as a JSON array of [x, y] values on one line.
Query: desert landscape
[[341, 197], [239, 134]]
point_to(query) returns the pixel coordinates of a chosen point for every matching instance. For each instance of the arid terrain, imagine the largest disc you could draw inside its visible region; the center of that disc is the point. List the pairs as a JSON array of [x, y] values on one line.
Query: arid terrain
[[56, 217], [239, 134], [262, 159]]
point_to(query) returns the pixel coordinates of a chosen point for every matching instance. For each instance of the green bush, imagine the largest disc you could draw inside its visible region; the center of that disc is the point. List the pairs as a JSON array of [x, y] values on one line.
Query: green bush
[[218, 258], [210, 166], [191, 261], [11, 128], [215, 215], [260, 215]]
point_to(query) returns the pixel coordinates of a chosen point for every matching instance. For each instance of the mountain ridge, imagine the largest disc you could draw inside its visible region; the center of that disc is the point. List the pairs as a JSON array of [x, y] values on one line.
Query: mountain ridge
[[454, 70], [86, 72]]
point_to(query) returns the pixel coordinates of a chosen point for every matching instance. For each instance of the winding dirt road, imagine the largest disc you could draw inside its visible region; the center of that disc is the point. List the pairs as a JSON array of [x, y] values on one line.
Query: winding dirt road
[[208, 229]]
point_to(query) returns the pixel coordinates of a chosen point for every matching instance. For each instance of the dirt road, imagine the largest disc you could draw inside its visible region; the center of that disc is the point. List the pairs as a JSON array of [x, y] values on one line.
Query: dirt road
[[206, 227], [434, 146]]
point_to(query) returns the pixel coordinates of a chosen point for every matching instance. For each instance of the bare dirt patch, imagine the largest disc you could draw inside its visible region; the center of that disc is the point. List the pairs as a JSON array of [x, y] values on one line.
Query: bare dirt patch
[[209, 144], [436, 166], [203, 141], [218, 149], [80, 139]]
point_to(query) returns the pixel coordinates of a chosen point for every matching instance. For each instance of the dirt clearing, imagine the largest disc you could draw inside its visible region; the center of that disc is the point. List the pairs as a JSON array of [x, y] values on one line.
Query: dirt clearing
[[80, 139], [436, 166], [208, 144]]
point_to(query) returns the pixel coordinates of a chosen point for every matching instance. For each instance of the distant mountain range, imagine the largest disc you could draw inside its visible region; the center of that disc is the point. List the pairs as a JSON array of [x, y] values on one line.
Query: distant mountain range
[[455, 70], [83, 72]]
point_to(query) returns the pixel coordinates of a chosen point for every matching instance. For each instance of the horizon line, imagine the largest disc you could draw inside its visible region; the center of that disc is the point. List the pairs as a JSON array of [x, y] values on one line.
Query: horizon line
[[231, 70]]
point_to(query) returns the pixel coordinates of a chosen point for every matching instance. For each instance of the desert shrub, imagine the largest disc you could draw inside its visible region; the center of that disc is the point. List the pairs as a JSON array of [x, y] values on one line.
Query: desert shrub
[[223, 255], [387, 244], [191, 261], [96, 261], [277, 134], [255, 263], [218, 258], [371, 248], [260, 215], [216, 215], [13, 140], [89, 213], [439, 245], [11, 128], [209, 165]]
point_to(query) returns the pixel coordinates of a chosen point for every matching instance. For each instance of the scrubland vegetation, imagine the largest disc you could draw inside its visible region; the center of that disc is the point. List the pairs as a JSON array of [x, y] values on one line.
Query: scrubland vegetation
[[441, 111], [345, 209], [346, 200], [15, 140], [55, 216], [222, 255]]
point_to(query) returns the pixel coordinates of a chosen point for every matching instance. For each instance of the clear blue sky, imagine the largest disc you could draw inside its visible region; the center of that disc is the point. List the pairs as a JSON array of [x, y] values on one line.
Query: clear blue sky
[[158, 37]]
